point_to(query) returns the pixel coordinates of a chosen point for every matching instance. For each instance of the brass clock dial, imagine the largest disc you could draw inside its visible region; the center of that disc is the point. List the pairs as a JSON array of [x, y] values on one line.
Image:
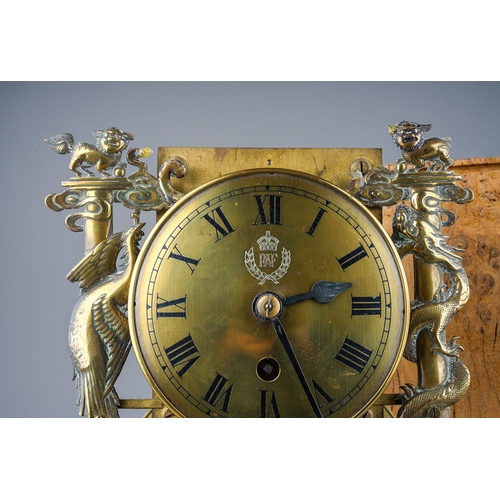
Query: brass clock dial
[[268, 293]]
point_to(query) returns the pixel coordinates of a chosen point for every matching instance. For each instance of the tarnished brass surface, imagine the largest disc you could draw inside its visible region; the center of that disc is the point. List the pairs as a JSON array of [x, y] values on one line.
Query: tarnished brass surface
[[236, 306], [419, 151], [331, 164], [441, 285], [99, 338], [340, 166], [141, 403], [428, 279], [98, 331], [102, 157], [98, 334]]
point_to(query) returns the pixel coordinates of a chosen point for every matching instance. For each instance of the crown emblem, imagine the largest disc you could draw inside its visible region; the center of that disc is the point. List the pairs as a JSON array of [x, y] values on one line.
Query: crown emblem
[[268, 247], [268, 243]]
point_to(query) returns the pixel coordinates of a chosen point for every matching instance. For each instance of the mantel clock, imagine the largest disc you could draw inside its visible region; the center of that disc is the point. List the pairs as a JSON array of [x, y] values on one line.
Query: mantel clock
[[267, 287]]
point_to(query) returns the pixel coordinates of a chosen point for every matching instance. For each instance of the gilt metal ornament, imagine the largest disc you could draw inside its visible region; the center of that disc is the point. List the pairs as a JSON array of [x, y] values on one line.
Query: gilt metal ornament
[[99, 337], [421, 177]]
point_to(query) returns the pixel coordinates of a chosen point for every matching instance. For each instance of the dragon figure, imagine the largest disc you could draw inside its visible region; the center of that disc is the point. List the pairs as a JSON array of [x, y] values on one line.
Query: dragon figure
[[412, 233]]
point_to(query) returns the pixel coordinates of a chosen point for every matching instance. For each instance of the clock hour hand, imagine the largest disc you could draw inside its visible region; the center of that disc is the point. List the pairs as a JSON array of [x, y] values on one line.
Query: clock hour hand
[[322, 292], [280, 332]]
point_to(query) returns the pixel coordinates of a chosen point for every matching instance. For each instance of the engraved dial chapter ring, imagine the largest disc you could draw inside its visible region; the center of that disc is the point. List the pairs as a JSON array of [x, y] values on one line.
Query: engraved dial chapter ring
[[240, 253]]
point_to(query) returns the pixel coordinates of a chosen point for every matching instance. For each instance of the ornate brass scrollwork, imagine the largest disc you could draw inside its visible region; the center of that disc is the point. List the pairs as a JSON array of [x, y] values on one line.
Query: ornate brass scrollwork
[[421, 177], [99, 338]]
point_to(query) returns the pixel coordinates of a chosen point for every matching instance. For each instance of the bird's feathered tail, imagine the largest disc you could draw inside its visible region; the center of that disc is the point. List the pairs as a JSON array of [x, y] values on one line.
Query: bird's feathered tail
[[91, 404]]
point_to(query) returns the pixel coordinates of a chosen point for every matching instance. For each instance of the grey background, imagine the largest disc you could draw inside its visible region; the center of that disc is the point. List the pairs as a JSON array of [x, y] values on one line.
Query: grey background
[[37, 250]]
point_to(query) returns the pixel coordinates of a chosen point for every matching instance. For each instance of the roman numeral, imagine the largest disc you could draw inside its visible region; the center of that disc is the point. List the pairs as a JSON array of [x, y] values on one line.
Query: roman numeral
[[177, 307], [315, 223], [366, 306], [266, 409], [191, 263], [352, 257], [274, 210], [222, 228], [319, 391], [219, 392], [353, 355], [182, 353]]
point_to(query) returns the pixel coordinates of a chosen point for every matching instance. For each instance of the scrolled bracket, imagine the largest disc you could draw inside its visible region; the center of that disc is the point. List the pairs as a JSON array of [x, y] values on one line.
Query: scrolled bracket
[[98, 208], [147, 192]]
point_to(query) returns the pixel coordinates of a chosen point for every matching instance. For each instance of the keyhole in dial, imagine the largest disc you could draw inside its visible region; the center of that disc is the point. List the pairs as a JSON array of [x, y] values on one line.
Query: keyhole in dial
[[268, 369]]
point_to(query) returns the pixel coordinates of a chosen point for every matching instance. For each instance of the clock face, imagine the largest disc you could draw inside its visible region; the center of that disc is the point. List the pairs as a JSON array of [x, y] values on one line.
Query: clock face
[[268, 293]]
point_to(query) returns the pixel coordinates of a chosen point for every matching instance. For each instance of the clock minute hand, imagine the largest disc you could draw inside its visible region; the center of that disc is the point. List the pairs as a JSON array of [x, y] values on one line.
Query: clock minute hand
[[322, 292], [280, 332]]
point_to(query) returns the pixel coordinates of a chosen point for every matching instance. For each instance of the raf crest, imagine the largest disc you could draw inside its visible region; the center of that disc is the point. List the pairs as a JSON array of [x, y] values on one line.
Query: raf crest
[[108, 174], [268, 254]]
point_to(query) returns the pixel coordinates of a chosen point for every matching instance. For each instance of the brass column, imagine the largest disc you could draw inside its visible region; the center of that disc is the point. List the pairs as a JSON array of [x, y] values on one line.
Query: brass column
[[428, 281]]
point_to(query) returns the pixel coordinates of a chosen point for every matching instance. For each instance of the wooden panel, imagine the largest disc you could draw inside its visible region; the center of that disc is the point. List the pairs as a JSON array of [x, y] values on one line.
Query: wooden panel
[[477, 231]]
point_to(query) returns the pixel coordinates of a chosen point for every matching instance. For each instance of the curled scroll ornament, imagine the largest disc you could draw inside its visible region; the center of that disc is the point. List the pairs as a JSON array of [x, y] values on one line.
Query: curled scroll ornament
[[97, 208]]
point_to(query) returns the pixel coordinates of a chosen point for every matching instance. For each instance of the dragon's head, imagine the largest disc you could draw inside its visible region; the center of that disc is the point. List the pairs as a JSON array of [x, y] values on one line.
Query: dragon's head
[[412, 233], [404, 230], [408, 136]]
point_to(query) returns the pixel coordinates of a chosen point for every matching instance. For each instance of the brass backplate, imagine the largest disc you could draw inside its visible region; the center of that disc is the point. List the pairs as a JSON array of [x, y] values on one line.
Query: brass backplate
[[332, 164]]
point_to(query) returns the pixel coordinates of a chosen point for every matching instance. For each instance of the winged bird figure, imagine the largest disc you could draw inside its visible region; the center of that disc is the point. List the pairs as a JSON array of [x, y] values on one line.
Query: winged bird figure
[[99, 337]]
